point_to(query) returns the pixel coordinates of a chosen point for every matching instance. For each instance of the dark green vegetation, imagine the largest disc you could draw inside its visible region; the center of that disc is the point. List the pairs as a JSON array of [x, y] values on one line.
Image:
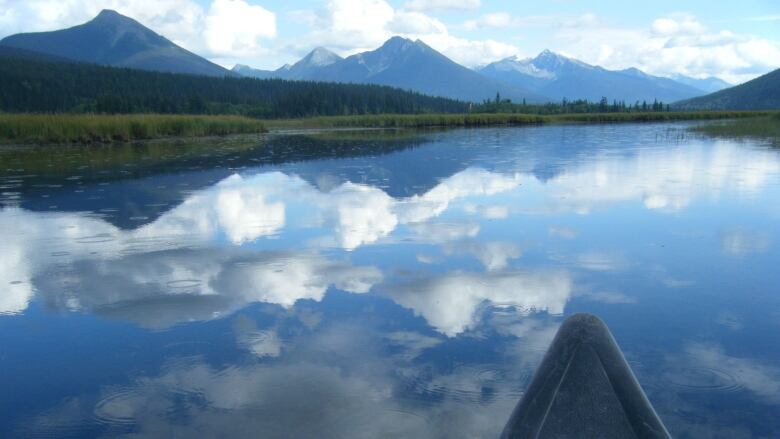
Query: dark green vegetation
[[115, 40], [498, 119], [569, 107], [28, 85], [759, 94], [85, 128], [91, 128], [767, 127], [100, 161]]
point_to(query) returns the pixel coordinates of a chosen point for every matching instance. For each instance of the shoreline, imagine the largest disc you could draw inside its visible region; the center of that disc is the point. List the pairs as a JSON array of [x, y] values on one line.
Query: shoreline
[[87, 130]]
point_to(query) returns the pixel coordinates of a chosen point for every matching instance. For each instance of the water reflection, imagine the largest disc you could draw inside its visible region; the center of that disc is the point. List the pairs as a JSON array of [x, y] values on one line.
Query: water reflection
[[450, 302], [406, 292]]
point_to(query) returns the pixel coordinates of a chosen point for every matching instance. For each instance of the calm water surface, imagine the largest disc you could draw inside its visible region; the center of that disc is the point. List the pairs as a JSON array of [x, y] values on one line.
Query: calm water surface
[[382, 284]]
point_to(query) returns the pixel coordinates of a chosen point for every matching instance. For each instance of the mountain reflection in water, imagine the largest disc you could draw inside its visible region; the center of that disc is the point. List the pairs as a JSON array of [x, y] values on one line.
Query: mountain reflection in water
[[408, 288]]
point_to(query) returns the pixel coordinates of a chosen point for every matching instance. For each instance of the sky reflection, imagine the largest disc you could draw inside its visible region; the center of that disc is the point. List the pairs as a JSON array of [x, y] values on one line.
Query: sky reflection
[[409, 293]]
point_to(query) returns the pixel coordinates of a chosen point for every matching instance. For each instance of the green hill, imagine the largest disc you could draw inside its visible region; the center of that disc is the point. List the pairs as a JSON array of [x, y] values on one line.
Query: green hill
[[35, 85], [762, 93]]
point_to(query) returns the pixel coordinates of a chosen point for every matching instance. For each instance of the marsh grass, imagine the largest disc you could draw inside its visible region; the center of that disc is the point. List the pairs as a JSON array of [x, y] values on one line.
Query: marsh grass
[[87, 128], [766, 127], [497, 119], [92, 129]]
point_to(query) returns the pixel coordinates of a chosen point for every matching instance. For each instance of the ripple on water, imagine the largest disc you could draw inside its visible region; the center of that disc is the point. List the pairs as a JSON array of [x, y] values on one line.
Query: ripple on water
[[119, 408], [395, 422], [95, 239], [701, 379], [184, 284], [475, 384]]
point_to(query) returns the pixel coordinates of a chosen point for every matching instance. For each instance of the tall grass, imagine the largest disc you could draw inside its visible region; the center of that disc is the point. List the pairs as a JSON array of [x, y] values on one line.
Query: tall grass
[[767, 127], [86, 128], [494, 119]]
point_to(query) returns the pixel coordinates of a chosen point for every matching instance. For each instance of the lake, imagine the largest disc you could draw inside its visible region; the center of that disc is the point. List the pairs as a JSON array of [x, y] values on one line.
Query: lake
[[382, 283]]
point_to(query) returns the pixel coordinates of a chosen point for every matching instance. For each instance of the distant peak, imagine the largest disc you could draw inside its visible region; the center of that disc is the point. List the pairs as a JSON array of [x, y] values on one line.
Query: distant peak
[[549, 54], [321, 56], [398, 39], [113, 18], [109, 14], [397, 42]]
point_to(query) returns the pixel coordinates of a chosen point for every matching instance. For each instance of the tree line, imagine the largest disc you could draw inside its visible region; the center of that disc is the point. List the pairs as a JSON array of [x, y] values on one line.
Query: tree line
[[37, 85], [566, 106], [29, 85]]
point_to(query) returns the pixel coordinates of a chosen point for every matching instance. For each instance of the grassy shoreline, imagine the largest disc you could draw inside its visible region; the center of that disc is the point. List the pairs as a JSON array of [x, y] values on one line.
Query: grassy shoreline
[[90, 129], [498, 119], [766, 128]]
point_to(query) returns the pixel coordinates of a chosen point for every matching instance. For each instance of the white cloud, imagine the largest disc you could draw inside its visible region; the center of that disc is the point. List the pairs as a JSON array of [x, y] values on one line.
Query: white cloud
[[760, 379], [771, 17], [433, 5], [164, 288], [562, 232], [684, 25], [226, 28], [740, 242], [600, 261], [676, 44], [362, 214], [696, 171], [494, 255], [443, 232], [491, 20], [349, 27], [611, 297], [415, 23], [235, 28], [449, 303], [491, 212]]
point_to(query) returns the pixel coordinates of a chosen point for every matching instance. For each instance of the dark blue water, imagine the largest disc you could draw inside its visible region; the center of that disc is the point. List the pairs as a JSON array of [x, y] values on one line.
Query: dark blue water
[[382, 284]]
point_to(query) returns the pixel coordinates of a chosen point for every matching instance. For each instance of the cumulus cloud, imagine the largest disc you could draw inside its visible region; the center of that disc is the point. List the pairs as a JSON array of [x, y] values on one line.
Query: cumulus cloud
[[225, 28], [761, 379], [239, 210], [611, 297], [492, 211], [600, 261], [491, 20], [161, 289], [353, 26], [741, 242], [235, 28], [354, 391], [494, 255], [562, 232], [450, 302], [432, 5], [688, 173], [676, 44]]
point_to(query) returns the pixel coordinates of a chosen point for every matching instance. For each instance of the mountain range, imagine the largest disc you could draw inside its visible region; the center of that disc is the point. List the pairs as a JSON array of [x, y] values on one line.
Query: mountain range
[[401, 63], [547, 77], [558, 77], [112, 39]]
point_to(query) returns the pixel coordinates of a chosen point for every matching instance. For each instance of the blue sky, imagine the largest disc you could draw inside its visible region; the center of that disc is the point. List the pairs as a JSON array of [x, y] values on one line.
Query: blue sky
[[733, 40]]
